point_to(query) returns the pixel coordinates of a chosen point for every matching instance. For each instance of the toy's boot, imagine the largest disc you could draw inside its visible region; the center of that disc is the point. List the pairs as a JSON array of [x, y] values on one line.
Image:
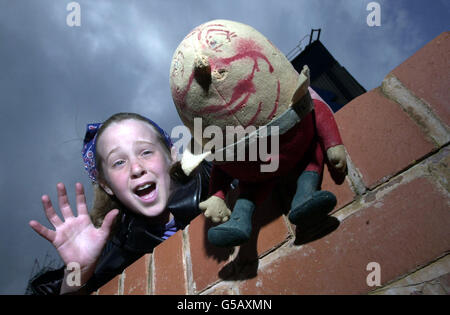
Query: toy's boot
[[309, 206], [237, 230]]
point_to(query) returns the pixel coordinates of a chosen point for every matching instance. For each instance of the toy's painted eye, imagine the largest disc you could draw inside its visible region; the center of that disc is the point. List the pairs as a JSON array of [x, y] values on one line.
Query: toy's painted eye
[[218, 36]]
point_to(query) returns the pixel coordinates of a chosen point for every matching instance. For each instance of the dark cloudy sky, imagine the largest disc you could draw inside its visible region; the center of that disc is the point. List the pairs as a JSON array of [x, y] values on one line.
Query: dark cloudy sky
[[54, 79]]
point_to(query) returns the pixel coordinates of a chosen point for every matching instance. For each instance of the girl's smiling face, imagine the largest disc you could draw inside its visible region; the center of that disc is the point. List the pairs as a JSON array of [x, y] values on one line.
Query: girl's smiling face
[[135, 166]]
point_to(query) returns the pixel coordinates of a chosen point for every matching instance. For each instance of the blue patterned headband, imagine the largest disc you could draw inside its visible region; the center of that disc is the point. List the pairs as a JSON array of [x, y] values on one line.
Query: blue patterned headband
[[89, 144]]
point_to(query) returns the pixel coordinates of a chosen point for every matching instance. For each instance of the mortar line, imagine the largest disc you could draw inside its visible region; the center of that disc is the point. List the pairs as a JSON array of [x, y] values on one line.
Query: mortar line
[[434, 129], [389, 284], [187, 263], [149, 286]]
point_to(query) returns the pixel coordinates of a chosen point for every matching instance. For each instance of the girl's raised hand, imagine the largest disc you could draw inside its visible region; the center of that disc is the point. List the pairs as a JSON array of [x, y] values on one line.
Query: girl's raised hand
[[76, 239]]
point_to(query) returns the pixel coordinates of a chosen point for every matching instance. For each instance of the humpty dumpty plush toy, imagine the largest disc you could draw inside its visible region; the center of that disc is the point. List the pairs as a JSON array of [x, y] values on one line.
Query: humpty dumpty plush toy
[[225, 75]]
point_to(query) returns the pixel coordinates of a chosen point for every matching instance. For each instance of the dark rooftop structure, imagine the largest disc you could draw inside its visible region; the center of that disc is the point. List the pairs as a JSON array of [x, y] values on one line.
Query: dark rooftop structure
[[328, 78]]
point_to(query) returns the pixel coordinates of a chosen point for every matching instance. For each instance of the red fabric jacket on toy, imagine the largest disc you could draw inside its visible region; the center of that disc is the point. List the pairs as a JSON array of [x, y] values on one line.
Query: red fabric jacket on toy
[[301, 148]]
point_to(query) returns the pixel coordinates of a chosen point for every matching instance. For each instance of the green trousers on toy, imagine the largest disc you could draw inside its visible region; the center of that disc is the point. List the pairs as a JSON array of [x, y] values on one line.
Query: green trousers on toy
[[309, 208]]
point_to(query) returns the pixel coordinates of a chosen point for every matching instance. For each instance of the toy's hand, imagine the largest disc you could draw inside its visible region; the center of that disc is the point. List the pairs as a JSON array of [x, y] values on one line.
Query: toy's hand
[[336, 157], [215, 209]]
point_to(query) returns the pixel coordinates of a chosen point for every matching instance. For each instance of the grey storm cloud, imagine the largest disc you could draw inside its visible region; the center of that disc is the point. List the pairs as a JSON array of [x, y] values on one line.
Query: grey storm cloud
[[54, 79]]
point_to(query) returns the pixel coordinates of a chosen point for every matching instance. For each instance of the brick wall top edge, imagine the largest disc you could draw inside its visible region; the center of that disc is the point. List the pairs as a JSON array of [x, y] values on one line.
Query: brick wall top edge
[[427, 75]]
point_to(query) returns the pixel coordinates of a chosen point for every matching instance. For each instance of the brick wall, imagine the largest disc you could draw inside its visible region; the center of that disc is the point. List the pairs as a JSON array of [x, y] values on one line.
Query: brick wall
[[393, 208]]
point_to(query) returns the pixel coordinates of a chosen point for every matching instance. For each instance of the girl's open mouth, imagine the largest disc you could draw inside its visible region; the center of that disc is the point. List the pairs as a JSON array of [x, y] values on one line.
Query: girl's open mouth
[[146, 192]]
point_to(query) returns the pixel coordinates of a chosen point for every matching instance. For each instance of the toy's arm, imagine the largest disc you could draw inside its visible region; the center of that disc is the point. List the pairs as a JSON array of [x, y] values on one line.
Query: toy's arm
[[329, 136], [219, 183], [215, 207]]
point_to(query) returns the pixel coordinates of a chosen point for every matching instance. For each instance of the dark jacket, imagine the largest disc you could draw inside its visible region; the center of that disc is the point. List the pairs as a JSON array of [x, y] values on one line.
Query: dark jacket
[[135, 237]]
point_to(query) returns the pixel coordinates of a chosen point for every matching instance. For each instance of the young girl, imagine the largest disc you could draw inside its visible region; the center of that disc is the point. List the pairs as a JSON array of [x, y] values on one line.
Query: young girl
[[141, 198]]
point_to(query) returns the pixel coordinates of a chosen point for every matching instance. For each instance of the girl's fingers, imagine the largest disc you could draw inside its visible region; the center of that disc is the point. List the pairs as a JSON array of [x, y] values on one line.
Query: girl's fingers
[[63, 201], [81, 199], [50, 212], [49, 235], [108, 221]]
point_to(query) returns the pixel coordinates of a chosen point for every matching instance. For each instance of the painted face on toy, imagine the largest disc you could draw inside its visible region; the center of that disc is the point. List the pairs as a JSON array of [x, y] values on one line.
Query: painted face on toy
[[229, 74]]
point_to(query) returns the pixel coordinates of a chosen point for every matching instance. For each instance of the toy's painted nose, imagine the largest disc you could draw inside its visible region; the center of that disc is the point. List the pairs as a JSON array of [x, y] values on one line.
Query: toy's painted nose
[[202, 72]]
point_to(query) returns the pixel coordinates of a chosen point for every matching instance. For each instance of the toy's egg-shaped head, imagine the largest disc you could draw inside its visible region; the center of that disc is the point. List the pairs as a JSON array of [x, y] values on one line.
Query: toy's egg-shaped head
[[229, 74]]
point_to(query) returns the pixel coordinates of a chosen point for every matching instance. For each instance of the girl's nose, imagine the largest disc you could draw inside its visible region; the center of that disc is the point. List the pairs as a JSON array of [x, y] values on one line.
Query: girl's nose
[[137, 170]]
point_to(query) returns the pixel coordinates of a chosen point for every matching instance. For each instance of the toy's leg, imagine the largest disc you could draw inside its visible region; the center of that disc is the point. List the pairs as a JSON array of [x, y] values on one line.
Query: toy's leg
[[309, 206], [237, 230]]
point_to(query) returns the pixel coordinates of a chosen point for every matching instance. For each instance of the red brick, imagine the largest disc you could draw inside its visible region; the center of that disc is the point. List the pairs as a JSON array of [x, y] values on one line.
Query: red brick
[[269, 230], [380, 138], [427, 75], [343, 192], [206, 259], [399, 231], [169, 274], [136, 277], [111, 288], [269, 225]]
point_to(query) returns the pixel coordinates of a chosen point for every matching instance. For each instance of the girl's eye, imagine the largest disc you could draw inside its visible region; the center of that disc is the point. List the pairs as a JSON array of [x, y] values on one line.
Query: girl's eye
[[147, 152], [118, 163]]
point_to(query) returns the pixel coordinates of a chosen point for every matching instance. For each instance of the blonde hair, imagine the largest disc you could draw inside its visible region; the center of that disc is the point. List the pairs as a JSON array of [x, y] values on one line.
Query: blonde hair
[[103, 202]]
